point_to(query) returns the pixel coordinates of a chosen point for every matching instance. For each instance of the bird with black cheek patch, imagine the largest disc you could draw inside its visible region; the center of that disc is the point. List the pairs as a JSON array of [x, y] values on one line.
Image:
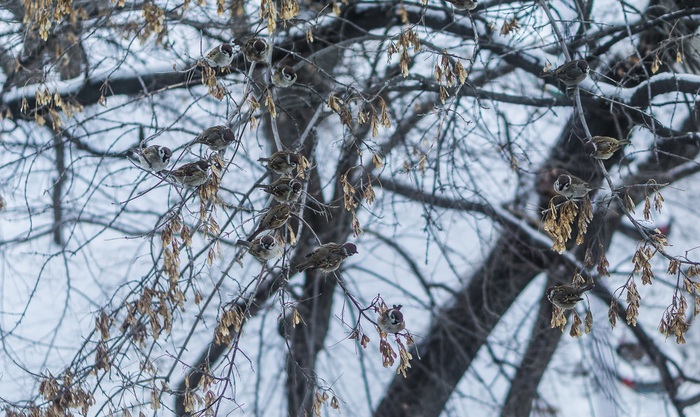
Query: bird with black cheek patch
[[571, 73], [217, 138], [284, 190], [192, 175], [391, 321], [154, 158], [603, 147], [220, 57], [282, 162], [256, 50], [275, 218], [566, 296], [571, 186], [328, 257], [284, 76], [263, 248]]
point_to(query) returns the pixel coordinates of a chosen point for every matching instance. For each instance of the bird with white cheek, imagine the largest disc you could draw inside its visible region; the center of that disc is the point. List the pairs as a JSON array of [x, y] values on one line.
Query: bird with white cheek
[[391, 321]]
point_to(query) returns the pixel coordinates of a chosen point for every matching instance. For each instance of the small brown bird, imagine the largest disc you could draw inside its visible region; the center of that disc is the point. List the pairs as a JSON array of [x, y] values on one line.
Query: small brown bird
[[328, 257], [192, 175], [216, 137], [464, 4], [275, 218], [603, 147], [571, 73], [391, 321], [256, 50], [566, 296], [282, 162], [571, 187], [154, 158], [284, 76], [263, 248], [220, 57], [284, 190]]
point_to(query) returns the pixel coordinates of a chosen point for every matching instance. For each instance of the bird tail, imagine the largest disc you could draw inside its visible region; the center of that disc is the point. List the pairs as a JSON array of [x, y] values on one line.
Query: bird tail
[[243, 243], [545, 74], [263, 159], [625, 142], [587, 288], [304, 266]]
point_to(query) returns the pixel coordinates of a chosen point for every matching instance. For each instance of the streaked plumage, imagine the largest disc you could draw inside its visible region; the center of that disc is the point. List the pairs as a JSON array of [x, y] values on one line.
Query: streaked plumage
[[216, 137], [192, 175], [571, 73], [275, 218], [391, 321], [283, 162], [284, 190], [328, 257], [566, 296], [263, 248], [220, 57], [154, 158], [571, 187], [256, 50], [284, 76], [603, 147]]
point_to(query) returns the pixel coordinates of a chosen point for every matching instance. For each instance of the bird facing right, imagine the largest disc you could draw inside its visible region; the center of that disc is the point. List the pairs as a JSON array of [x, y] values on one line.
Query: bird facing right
[[571, 73], [284, 190], [282, 162], [391, 321], [220, 57], [566, 296], [154, 158], [603, 147], [284, 76], [263, 248], [216, 137], [328, 257]]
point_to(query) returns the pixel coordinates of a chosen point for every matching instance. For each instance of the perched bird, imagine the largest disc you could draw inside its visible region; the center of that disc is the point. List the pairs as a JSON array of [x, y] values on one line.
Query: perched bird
[[263, 248], [571, 73], [275, 218], [284, 190], [282, 162], [220, 57], [571, 187], [284, 76], [256, 50], [603, 147], [328, 257], [192, 175], [216, 137], [464, 4], [154, 158], [391, 321], [566, 296]]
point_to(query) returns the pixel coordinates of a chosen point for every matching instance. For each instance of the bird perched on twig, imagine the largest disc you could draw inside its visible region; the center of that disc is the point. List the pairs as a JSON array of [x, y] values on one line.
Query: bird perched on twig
[[217, 138], [571, 73], [284, 190], [603, 147], [284, 76], [255, 49], [328, 257], [282, 162], [220, 57], [192, 175], [566, 296], [571, 186], [263, 248], [464, 4], [154, 158], [391, 321], [275, 218]]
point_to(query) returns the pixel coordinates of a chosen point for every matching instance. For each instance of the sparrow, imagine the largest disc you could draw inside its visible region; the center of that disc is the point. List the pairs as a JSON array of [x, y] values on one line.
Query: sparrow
[[220, 57], [282, 162], [391, 321], [275, 218], [571, 73], [192, 175], [328, 257], [154, 158], [284, 190], [216, 137], [571, 187], [565, 296], [256, 50], [284, 76], [263, 248], [464, 4], [603, 147]]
